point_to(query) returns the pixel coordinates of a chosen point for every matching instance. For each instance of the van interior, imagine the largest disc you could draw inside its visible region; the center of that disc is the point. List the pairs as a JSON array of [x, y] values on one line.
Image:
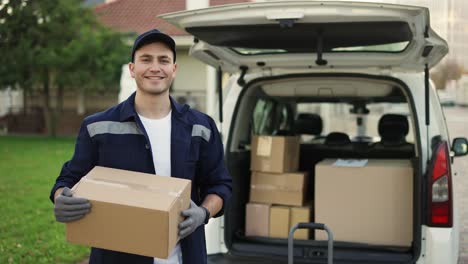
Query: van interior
[[335, 117]]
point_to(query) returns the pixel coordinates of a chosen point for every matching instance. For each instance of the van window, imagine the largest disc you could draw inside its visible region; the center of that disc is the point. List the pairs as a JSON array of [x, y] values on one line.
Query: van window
[[271, 118], [391, 47], [337, 117]]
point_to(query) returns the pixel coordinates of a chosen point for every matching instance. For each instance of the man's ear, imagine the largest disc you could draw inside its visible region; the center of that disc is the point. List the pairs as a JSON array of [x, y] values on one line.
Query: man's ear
[[175, 70], [131, 67]]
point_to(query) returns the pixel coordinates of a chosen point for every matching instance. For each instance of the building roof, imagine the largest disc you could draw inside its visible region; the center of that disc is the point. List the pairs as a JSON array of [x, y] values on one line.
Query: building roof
[[141, 16]]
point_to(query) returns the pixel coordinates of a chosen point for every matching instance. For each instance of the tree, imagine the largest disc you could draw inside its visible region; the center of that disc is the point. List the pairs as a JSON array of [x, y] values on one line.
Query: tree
[[450, 70], [59, 45], [83, 70]]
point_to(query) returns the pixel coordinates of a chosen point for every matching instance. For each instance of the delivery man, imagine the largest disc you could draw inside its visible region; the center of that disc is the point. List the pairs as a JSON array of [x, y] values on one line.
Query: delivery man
[[151, 133]]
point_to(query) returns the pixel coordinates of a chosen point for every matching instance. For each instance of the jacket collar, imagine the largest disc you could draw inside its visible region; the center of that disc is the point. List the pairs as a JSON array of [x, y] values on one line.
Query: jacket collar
[[179, 108], [128, 108]]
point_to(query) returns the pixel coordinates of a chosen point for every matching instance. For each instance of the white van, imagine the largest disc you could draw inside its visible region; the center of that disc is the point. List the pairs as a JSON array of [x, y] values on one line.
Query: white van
[[351, 79]]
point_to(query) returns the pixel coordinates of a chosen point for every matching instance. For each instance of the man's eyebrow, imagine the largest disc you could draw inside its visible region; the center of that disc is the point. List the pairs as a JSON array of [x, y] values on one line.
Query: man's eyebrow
[[150, 56], [145, 56]]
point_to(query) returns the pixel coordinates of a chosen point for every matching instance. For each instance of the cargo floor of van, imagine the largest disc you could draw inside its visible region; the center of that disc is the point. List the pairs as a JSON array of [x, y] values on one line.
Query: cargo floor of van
[[311, 252], [257, 250]]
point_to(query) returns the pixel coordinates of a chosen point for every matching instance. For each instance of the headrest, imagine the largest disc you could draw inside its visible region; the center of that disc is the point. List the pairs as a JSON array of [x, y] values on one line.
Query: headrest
[[309, 124], [337, 138], [393, 128]]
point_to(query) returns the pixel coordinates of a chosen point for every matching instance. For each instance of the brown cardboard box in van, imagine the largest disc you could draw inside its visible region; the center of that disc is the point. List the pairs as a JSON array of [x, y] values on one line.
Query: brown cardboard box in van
[[279, 221], [275, 154], [131, 212], [369, 204], [300, 215], [257, 219], [278, 188]]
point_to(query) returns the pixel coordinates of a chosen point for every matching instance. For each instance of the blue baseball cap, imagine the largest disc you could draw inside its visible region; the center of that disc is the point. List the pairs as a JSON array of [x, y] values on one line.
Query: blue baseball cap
[[152, 36]]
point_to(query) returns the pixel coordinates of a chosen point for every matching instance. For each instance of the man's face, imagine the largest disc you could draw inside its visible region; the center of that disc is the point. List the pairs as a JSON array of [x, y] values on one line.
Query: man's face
[[153, 68]]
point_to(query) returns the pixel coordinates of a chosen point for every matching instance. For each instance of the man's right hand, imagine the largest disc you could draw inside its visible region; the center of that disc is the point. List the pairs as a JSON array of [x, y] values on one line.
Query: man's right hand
[[68, 208]]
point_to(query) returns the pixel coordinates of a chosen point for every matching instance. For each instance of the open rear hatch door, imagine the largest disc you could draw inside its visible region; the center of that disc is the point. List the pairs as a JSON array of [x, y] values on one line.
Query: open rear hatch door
[[310, 34]]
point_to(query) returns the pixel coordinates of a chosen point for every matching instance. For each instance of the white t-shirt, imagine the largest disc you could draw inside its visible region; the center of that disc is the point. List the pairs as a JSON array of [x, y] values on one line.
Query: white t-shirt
[[159, 134]]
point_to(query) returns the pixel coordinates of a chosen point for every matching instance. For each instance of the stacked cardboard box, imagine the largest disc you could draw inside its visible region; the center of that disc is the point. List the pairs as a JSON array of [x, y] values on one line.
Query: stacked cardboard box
[[275, 154], [276, 220], [257, 221], [277, 189], [363, 201]]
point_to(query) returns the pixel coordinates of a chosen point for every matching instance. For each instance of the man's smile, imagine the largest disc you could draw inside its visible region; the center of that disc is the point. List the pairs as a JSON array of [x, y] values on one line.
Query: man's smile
[[155, 77]]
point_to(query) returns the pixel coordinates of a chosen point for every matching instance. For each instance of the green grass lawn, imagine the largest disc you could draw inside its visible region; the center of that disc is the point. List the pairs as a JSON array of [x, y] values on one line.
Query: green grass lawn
[[28, 230]]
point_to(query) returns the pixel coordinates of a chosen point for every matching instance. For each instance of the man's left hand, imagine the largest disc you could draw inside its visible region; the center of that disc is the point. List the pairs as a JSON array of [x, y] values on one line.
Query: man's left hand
[[195, 216]]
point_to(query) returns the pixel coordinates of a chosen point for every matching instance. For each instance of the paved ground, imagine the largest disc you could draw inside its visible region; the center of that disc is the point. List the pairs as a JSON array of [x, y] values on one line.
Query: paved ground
[[457, 120]]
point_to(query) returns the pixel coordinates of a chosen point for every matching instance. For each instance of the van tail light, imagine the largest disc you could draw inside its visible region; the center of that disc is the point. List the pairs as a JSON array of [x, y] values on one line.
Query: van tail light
[[440, 189]]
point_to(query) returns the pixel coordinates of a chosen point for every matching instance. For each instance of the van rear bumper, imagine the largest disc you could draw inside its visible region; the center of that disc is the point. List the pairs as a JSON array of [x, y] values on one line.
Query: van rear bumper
[[441, 246]]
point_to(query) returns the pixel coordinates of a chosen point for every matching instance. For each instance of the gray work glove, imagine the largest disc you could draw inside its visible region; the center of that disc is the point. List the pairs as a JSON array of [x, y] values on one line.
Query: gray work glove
[[68, 208], [195, 216]]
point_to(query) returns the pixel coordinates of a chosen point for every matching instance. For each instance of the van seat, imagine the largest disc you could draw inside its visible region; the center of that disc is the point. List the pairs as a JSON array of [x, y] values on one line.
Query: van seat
[[393, 129], [308, 124], [337, 139]]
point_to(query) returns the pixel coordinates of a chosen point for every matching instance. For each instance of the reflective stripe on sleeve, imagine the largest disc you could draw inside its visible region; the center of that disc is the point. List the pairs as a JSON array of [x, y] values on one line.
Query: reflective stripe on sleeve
[[201, 131], [111, 127]]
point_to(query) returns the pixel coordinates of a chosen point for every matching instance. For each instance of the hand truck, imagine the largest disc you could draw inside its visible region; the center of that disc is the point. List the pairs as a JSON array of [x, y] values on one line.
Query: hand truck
[[309, 226]]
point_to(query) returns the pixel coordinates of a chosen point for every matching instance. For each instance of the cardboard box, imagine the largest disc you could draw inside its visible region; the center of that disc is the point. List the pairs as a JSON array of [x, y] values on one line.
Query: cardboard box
[[257, 219], [369, 204], [275, 154], [131, 212], [300, 215], [278, 188], [279, 221]]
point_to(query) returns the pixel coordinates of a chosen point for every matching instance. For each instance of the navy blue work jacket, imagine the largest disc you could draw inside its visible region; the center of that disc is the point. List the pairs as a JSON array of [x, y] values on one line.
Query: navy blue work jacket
[[117, 139]]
